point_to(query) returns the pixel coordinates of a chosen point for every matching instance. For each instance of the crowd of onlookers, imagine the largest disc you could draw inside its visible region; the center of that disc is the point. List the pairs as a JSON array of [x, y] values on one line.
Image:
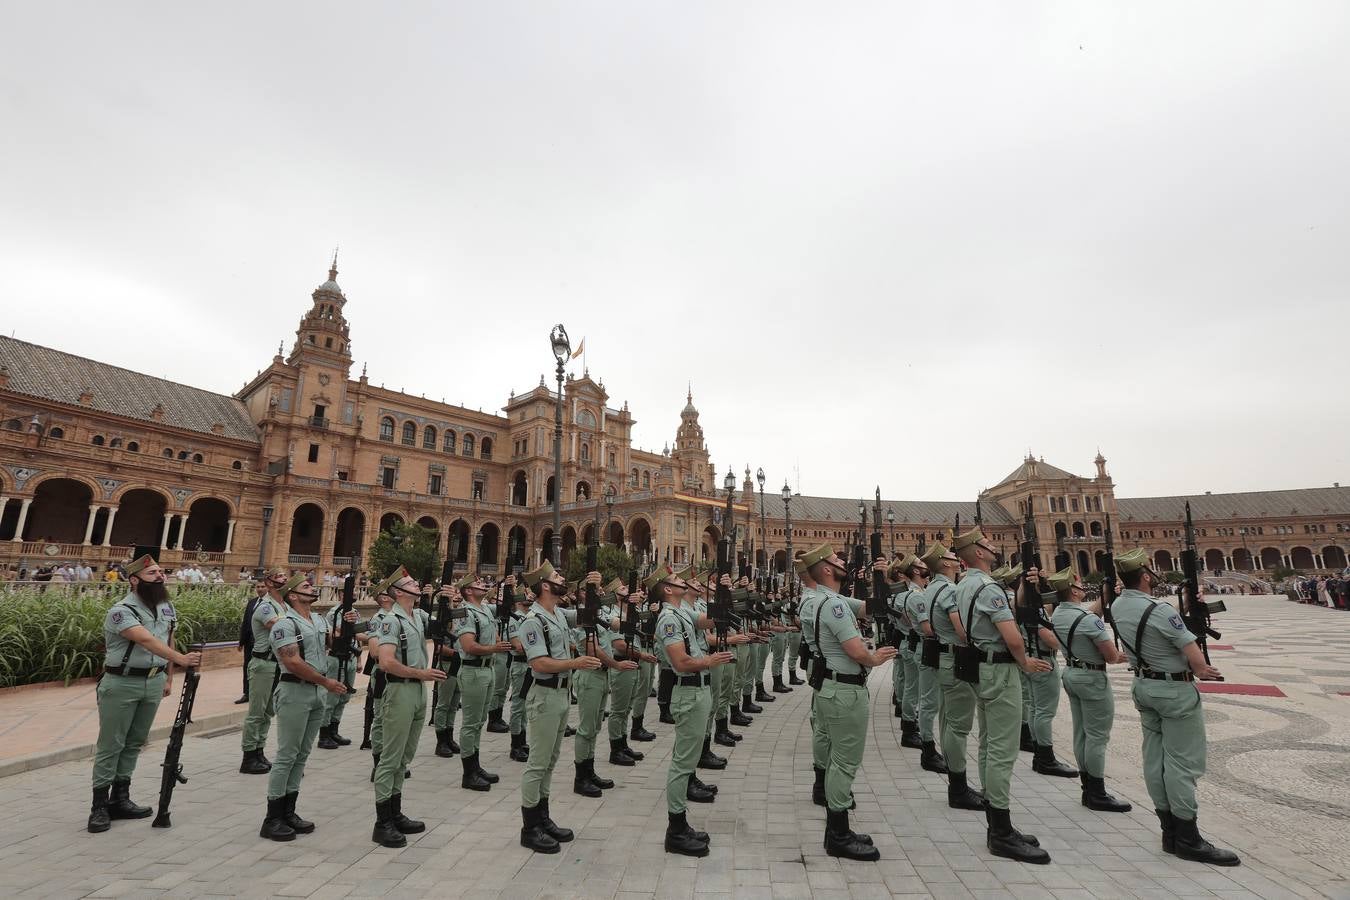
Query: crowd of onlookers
[[82, 573], [1323, 590]]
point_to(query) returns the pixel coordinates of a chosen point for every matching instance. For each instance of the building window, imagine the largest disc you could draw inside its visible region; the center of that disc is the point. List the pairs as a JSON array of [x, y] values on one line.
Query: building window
[[56, 433], [477, 489], [168, 453], [612, 459], [182, 454], [449, 442], [236, 465], [485, 451], [434, 485], [468, 445], [328, 342], [409, 434], [197, 458], [342, 475], [97, 440], [386, 429], [313, 453], [133, 447], [646, 480], [429, 438], [585, 452], [114, 443], [387, 476]]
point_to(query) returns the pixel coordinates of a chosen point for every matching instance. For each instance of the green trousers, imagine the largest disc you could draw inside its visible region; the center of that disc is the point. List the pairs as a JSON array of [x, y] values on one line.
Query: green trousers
[[333, 704], [929, 698], [958, 713], [794, 648], [501, 665], [404, 709], [777, 650], [1026, 698], [1044, 691], [592, 687], [646, 675], [300, 711], [689, 707], [447, 699], [716, 690], [909, 697], [1094, 711], [126, 710], [761, 660], [999, 705], [842, 709], [377, 720], [475, 687], [622, 684], [1173, 724], [545, 720], [730, 683], [262, 681], [820, 737], [516, 678]]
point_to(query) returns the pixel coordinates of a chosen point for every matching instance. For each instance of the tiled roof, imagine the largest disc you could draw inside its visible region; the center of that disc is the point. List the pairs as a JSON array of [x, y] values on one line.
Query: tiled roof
[[907, 512], [1042, 470], [63, 377], [1247, 505]]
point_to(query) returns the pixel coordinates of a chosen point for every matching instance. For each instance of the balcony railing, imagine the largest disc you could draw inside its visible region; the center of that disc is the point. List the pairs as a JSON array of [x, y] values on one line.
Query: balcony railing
[[302, 559], [318, 422]]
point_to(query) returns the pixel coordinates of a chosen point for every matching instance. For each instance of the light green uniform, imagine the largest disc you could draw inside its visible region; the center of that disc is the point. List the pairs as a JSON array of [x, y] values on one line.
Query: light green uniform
[[544, 633], [476, 675], [778, 649], [299, 704], [794, 643], [1170, 713], [622, 683], [841, 707], [516, 675], [927, 691], [906, 659], [958, 697], [127, 703], [592, 688], [689, 703], [447, 691], [404, 704], [895, 604], [1090, 702], [646, 676], [335, 703], [501, 673], [981, 603], [1040, 695], [262, 675], [377, 720], [820, 739]]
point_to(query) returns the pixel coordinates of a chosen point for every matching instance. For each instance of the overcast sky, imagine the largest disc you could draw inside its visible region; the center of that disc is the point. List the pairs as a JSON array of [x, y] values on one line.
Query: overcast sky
[[893, 243]]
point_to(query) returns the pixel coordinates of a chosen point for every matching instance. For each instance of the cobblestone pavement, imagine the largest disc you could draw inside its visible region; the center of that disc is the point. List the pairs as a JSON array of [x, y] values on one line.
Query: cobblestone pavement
[[1275, 792]]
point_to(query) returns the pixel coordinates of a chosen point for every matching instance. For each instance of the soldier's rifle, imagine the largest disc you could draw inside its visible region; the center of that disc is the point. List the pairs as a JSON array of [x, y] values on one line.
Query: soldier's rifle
[[878, 606], [1029, 613], [1109, 581], [588, 616], [720, 608], [172, 774], [1195, 610]]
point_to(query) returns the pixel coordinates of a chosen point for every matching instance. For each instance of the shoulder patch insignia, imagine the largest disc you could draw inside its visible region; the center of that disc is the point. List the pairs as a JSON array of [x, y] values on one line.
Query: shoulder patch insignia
[[169, 613], [265, 608], [117, 618], [839, 610], [1096, 620], [922, 606], [998, 603], [1175, 621], [670, 629], [531, 636], [278, 634], [384, 628]]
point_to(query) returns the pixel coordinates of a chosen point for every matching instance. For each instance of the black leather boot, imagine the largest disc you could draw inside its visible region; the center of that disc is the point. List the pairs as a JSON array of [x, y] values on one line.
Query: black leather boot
[[489, 777], [959, 794], [722, 735], [1027, 745], [569, 731], [603, 784], [1003, 840], [666, 718], [931, 760], [450, 740], [254, 764], [1169, 831], [694, 779], [638, 733], [842, 842], [731, 734], [1045, 763], [818, 788], [762, 695], [792, 676], [443, 744], [333, 733], [550, 827], [681, 839], [748, 706], [274, 827], [779, 687], [298, 825], [120, 805], [326, 741], [99, 820], [637, 757], [385, 834], [1096, 797], [404, 824], [739, 718], [909, 734], [519, 751], [532, 836], [495, 723], [582, 784], [698, 792], [896, 711], [1190, 845], [617, 756], [473, 779], [709, 759]]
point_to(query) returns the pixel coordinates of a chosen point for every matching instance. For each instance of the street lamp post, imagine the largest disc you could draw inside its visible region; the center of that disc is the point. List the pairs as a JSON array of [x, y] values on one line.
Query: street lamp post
[[763, 536], [262, 543], [890, 523], [728, 529], [562, 348], [609, 509], [787, 518]]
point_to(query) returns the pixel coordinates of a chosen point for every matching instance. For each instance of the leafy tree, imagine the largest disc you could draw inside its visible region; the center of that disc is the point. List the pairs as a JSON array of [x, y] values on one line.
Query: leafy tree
[[411, 546], [1094, 579], [1173, 577], [1280, 573], [612, 560]]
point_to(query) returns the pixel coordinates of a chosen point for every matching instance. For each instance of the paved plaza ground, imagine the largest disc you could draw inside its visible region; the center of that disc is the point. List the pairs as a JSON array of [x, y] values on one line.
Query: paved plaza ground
[[1275, 792]]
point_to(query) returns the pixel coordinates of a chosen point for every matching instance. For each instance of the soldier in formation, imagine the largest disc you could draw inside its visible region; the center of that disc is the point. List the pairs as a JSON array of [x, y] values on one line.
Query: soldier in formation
[[478, 644], [262, 676]]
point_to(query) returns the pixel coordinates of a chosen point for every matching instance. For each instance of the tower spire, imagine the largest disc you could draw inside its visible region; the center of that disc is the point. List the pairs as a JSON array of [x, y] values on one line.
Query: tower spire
[[332, 270]]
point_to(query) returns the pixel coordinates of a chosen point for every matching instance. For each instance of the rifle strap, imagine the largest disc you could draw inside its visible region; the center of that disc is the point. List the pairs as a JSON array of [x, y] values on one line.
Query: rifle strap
[[1139, 637], [932, 610], [1068, 641], [970, 612]]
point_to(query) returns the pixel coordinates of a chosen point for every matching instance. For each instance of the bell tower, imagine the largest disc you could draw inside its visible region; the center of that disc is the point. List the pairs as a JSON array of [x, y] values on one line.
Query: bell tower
[[690, 454], [323, 338]]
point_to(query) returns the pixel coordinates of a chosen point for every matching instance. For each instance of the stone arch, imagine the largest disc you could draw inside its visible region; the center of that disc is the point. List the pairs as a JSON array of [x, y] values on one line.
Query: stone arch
[[409, 435], [1083, 568], [489, 546], [587, 533], [615, 535], [468, 443], [349, 536], [583, 490], [306, 530], [711, 535], [448, 440], [430, 524], [517, 545], [569, 542], [1242, 560], [429, 437], [1095, 529], [208, 524], [520, 489], [1214, 560], [549, 489], [1099, 561], [780, 561], [485, 448], [140, 517], [1162, 561], [1333, 558], [388, 521], [60, 510], [546, 544], [1078, 530], [1302, 558], [1271, 557], [459, 532], [640, 534], [1061, 530]]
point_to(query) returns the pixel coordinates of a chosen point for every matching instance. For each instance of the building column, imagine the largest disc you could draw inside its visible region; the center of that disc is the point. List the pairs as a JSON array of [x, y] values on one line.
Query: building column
[[107, 531], [182, 529], [89, 525], [1317, 561], [1228, 564], [23, 519], [1288, 564], [164, 535], [229, 536], [4, 501]]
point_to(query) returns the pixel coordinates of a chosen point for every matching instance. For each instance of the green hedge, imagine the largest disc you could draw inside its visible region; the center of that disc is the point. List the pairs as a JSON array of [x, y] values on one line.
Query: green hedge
[[58, 637]]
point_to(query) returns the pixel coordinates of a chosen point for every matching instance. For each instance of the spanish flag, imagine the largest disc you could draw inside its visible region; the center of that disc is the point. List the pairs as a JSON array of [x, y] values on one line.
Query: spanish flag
[[581, 348]]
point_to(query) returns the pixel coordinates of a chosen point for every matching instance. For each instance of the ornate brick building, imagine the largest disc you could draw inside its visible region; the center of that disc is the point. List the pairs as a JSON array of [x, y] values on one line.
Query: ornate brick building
[[305, 464]]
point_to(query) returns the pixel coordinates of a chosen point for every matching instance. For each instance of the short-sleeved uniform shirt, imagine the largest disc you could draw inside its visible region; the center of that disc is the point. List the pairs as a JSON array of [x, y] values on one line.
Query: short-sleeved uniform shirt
[[478, 622], [896, 604], [692, 611], [991, 607], [267, 609], [128, 613], [838, 624], [513, 626], [604, 636], [673, 626], [916, 609], [1165, 635], [806, 612], [940, 598], [544, 633], [408, 634], [1089, 630], [311, 633]]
